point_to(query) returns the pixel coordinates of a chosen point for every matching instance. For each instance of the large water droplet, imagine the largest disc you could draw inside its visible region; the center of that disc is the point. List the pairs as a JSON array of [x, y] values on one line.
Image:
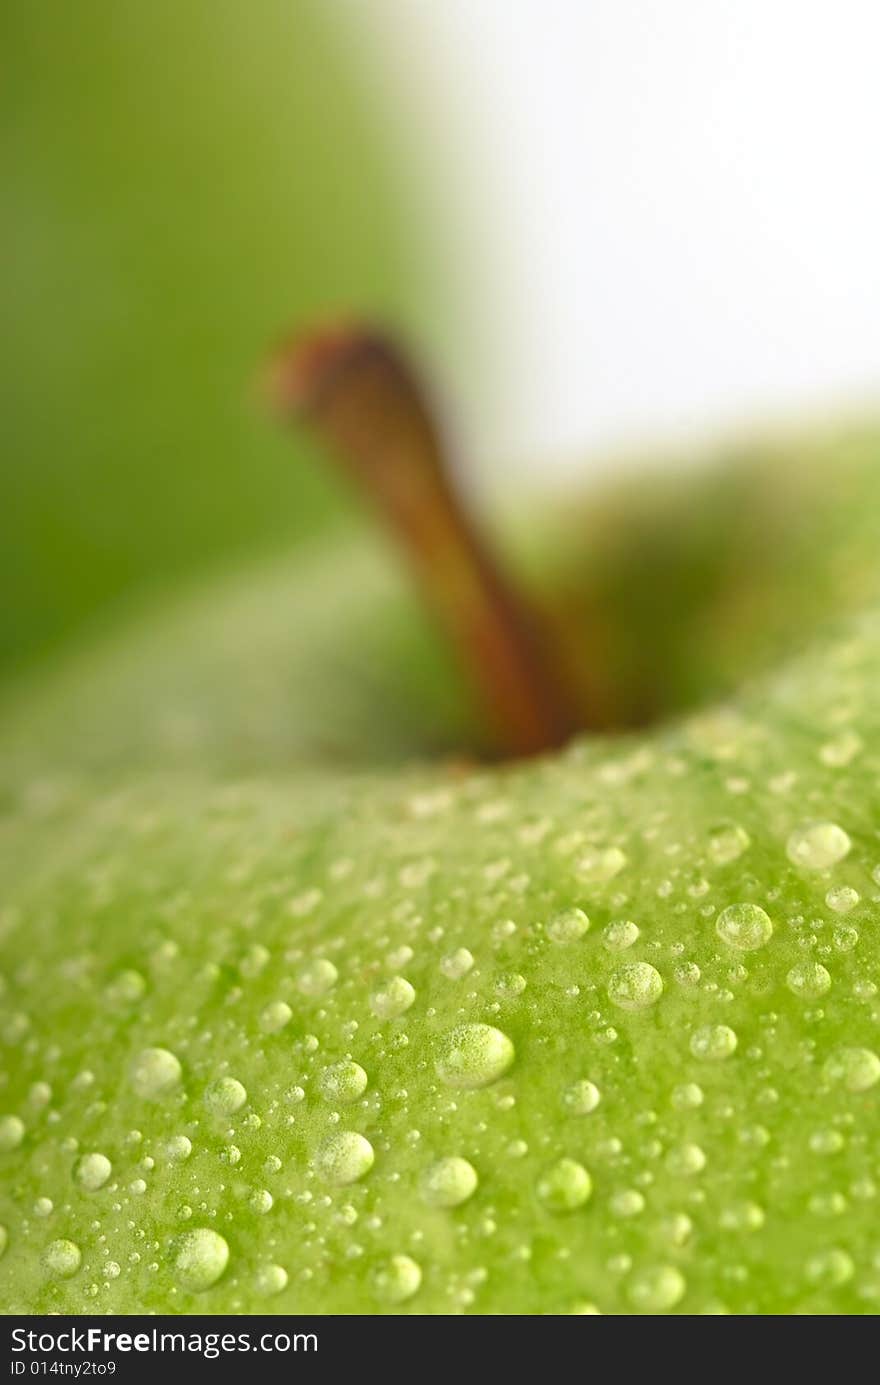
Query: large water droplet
[[744, 926], [565, 1187], [818, 845], [343, 1082], [344, 1157], [225, 1095], [449, 1182], [635, 986], [200, 1257], [856, 1069], [842, 898], [155, 1072], [620, 934], [808, 979], [473, 1055], [62, 1258]]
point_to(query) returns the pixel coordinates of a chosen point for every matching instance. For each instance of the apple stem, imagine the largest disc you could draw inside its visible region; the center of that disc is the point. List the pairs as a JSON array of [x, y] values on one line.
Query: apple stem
[[362, 399]]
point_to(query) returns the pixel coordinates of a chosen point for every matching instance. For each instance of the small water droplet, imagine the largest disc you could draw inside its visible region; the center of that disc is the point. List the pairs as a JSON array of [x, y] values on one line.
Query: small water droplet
[[127, 988], [397, 1280], [473, 1055], [683, 1161], [200, 1257], [92, 1171], [317, 978], [842, 898], [155, 1072], [842, 750], [658, 1289], [344, 1157], [742, 1216], [598, 864], [687, 1097], [565, 1187], [620, 934], [744, 926], [261, 1201], [635, 986], [275, 1016], [457, 964], [270, 1280], [178, 1148], [449, 1182], [581, 1098], [727, 842], [11, 1133], [567, 926], [817, 845], [713, 1041], [830, 1268], [627, 1203], [392, 999]]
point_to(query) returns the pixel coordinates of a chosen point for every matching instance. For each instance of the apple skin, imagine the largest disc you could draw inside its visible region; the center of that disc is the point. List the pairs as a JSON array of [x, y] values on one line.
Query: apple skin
[[197, 863]]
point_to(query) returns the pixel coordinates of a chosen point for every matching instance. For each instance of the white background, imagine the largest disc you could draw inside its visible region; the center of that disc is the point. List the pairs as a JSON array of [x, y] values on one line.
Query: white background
[[671, 207]]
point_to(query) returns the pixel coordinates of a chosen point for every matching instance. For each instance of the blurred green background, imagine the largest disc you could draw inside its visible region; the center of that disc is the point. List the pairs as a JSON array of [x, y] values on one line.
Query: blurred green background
[[181, 179]]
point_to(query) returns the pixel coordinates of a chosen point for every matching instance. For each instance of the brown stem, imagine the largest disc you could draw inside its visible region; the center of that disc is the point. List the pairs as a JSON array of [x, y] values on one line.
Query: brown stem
[[359, 395]]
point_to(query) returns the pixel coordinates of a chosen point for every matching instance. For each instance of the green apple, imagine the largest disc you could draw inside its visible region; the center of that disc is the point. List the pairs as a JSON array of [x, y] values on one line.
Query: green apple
[[307, 1009]]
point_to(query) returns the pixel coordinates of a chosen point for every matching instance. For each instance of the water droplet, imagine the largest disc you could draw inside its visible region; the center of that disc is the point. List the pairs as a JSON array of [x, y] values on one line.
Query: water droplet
[[627, 1203], [200, 1257], [255, 960], [343, 1082], [92, 1171], [727, 842], [318, 977], [344, 1157], [817, 845], [4, 1241], [808, 979], [178, 1148], [568, 926], [397, 1280], [457, 964], [225, 1095], [742, 1216], [713, 1041], [744, 926], [270, 1280], [842, 898], [856, 1069], [619, 935], [275, 1016], [685, 1160], [473, 1055], [687, 1097], [449, 1182], [658, 1289], [126, 989], [155, 1072], [44, 1207], [581, 1098], [635, 986], [61, 1259], [261, 1201], [841, 751], [565, 1187], [11, 1133], [830, 1268], [598, 864], [510, 984], [392, 999]]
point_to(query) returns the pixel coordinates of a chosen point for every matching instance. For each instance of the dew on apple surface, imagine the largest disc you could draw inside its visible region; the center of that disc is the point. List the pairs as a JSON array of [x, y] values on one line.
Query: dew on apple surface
[[808, 979], [473, 1055], [629, 1202], [856, 1069], [842, 899], [727, 842], [92, 1171], [656, 1289], [635, 986], [688, 1096], [831, 1268], [343, 1082], [449, 1182], [565, 1187], [261, 1201], [818, 845], [275, 1016], [177, 1148], [126, 988], [744, 926], [713, 1042], [567, 926], [62, 1258], [344, 1157], [682, 1161], [397, 1280], [199, 1258], [155, 1072], [225, 1095], [318, 977], [457, 964], [600, 864], [393, 998], [12, 1131], [742, 1216], [270, 1280], [620, 934], [581, 1098], [842, 750]]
